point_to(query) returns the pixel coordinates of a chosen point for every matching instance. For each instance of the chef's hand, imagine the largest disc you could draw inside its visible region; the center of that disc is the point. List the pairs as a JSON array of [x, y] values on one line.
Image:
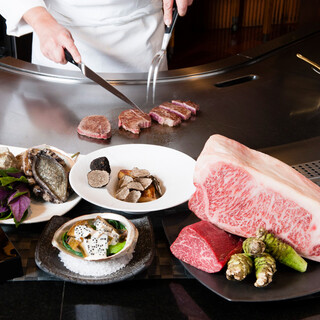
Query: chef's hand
[[182, 6], [53, 36]]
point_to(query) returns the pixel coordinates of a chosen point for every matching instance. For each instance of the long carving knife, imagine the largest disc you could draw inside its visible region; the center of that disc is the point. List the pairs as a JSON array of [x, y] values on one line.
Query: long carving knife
[[100, 81]]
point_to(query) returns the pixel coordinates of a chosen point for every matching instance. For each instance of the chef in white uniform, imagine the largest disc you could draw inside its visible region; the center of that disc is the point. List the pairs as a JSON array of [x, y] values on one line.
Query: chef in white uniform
[[107, 35]]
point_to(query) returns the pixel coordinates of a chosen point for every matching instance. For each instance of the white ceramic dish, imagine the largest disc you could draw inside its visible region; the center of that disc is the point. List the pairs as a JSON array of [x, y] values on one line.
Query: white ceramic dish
[[172, 168], [131, 241], [40, 211]]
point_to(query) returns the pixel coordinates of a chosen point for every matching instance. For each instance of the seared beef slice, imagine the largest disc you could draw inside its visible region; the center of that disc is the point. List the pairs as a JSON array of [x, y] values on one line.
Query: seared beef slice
[[192, 106], [133, 120], [95, 126], [180, 111], [164, 117]]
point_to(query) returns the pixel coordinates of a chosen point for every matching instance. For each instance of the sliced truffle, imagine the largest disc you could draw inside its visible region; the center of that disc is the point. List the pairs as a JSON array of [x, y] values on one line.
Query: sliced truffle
[[122, 193], [146, 182], [137, 173], [135, 185], [101, 163], [124, 181], [133, 196], [98, 178]]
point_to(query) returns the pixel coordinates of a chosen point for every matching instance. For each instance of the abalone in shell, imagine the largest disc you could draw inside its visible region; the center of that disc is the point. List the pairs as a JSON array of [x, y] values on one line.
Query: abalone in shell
[[51, 176]]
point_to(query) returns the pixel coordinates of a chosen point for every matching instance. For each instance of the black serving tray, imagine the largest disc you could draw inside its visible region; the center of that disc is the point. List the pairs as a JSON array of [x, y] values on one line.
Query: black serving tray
[[46, 256], [287, 283]]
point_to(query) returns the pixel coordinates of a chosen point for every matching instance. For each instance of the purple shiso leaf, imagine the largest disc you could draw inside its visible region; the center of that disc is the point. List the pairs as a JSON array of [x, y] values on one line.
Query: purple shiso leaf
[[4, 193], [19, 205], [3, 208], [15, 174], [20, 190]]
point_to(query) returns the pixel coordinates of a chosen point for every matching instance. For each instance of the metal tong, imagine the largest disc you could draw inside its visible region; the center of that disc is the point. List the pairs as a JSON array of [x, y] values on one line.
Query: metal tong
[[316, 66], [100, 81], [154, 67]]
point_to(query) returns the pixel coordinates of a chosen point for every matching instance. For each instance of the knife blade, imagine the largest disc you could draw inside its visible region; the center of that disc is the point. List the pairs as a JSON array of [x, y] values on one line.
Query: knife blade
[[99, 80]]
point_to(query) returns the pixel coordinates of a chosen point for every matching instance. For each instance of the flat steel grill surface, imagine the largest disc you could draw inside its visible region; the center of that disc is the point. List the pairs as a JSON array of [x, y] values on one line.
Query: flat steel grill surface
[[311, 170]]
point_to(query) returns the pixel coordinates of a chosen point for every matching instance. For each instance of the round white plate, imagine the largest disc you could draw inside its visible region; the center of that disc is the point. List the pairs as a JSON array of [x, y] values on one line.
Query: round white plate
[[40, 211], [172, 168]]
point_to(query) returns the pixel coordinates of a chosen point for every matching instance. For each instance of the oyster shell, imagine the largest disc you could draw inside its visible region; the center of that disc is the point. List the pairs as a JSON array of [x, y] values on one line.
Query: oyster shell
[[7, 159]]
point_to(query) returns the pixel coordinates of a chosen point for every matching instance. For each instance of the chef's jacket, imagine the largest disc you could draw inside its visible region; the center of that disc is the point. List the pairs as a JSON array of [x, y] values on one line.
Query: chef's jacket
[[111, 35]]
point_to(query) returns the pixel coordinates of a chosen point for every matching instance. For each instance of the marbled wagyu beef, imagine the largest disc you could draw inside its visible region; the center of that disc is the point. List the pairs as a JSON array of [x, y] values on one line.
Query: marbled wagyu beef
[[205, 246], [240, 189]]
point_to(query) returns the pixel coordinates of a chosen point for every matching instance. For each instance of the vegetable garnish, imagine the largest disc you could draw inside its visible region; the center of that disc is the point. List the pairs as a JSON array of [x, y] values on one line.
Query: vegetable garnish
[[281, 251], [116, 224], [95, 239], [14, 195], [64, 241], [113, 249]]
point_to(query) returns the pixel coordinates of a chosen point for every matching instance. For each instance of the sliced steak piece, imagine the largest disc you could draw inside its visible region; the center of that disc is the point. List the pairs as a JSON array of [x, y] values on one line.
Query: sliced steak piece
[[180, 111], [95, 126], [193, 107], [164, 117], [205, 246], [133, 120], [240, 189]]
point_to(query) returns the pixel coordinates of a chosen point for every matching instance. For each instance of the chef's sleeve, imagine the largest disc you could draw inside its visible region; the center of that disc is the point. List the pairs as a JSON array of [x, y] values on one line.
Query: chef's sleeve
[[13, 11]]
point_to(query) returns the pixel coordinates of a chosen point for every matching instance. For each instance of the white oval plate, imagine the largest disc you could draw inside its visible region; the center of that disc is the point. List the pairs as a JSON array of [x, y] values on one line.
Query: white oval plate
[[39, 210], [172, 168]]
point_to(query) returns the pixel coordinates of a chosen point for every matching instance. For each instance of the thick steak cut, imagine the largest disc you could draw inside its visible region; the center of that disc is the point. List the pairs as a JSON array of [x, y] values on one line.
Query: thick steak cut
[[164, 117], [192, 106], [205, 246], [133, 120], [180, 111], [95, 126], [240, 189]]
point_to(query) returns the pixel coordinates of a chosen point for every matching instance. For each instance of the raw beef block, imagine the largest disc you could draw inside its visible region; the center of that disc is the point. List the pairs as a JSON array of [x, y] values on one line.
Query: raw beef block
[[164, 117], [192, 106], [205, 246], [240, 189], [95, 126], [133, 120], [180, 111]]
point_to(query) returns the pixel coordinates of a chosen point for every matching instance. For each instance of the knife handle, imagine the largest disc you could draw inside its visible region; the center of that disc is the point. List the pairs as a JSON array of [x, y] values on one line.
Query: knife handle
[[69, 57], [168, 29]]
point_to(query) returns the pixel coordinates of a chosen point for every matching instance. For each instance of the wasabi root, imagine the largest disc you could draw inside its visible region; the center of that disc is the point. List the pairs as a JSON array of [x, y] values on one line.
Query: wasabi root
[[239, 266], [253, 246], [265, 267], [281, 251]]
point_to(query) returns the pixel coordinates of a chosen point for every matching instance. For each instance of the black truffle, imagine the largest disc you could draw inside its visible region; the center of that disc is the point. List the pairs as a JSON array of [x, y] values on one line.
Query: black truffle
[[101, 163], [98, 178]]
